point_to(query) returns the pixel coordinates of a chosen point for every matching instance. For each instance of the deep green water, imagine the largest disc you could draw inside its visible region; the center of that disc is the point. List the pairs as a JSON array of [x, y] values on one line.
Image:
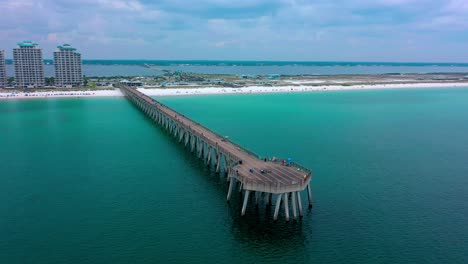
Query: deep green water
[[94, 181]]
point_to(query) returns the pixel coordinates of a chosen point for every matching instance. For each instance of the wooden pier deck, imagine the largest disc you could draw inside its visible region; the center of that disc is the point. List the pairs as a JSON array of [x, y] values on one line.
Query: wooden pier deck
[[265, 178]]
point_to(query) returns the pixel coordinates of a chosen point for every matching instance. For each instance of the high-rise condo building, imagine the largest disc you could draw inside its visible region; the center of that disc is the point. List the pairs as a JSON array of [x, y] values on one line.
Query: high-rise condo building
[[3, 77], [29, 65], [68, 72]]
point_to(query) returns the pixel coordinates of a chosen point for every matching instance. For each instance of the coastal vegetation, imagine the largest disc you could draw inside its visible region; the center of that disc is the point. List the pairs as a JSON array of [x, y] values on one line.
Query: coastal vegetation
[[182, 80]]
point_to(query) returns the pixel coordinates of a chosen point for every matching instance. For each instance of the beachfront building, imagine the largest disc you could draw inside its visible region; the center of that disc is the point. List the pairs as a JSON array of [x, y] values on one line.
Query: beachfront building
[[3, 77], [68, 67], [131, 83], [29, 65]]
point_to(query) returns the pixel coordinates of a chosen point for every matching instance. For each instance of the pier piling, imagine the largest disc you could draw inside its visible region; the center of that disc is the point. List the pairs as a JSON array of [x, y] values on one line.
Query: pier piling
[[277, 206], [246, 199], [293, 204]]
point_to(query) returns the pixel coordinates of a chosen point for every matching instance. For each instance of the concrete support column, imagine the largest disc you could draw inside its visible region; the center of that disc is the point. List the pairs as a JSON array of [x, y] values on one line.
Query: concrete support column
[[277, 206], [294, 204], [309, 195], [299, 203], [192, 143], [268, 199], [246, 199], [286, 206], [231, 183], [215, 156], [208, 159], [218, 163], [257, 198], [200, 148], [227, 164], [187, 138], [204, 152]]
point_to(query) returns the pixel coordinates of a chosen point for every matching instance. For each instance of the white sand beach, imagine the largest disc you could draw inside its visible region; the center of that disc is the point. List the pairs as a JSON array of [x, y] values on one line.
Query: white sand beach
[[223, 90]]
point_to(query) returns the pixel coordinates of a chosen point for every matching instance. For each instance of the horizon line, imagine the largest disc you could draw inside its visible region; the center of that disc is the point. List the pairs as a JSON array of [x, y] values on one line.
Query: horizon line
[[235, 60]]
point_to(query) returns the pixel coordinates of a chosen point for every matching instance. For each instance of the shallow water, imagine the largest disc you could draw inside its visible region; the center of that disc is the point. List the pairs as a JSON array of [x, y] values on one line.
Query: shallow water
[[114, 68], [95, 181]]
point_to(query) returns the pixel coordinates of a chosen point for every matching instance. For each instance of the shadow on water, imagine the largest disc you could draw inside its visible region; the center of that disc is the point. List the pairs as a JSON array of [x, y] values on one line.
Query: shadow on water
[[257, 226]]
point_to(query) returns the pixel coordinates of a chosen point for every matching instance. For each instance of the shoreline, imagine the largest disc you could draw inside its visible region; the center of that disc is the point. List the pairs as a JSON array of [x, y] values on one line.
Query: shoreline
[[225, 90]]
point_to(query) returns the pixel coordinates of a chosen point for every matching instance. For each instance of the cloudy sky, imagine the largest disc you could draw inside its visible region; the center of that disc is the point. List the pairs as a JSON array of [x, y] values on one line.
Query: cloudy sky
[[318, 30]]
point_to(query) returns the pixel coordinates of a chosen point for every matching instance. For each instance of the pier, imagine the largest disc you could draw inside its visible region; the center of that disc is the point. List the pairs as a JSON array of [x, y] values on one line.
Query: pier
[[258, 180]]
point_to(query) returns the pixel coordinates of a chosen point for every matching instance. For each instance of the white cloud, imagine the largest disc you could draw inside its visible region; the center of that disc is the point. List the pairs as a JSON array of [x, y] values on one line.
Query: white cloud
[[122, 5], [320, 29], [457, 6]]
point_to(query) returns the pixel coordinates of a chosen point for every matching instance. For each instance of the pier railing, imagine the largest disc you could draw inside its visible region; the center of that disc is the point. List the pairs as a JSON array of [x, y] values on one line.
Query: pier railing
[[220, 137], [233, 157], [272, 187], [302, 168], [160, 105]]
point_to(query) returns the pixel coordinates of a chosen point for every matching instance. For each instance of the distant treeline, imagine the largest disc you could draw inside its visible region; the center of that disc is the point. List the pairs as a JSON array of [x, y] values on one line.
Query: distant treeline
[[259, 63]]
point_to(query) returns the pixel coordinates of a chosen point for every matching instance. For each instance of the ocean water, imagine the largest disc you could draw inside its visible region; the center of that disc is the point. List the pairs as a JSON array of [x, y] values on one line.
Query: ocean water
[[108, 68], [95, 181]]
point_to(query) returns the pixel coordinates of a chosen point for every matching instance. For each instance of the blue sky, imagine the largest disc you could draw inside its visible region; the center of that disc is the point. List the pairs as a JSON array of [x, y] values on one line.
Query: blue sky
[[320, 30]]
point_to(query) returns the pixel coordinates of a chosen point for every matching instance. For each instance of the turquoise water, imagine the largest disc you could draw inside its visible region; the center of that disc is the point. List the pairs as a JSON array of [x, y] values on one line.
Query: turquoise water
[[107, 68], [94, 181]]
